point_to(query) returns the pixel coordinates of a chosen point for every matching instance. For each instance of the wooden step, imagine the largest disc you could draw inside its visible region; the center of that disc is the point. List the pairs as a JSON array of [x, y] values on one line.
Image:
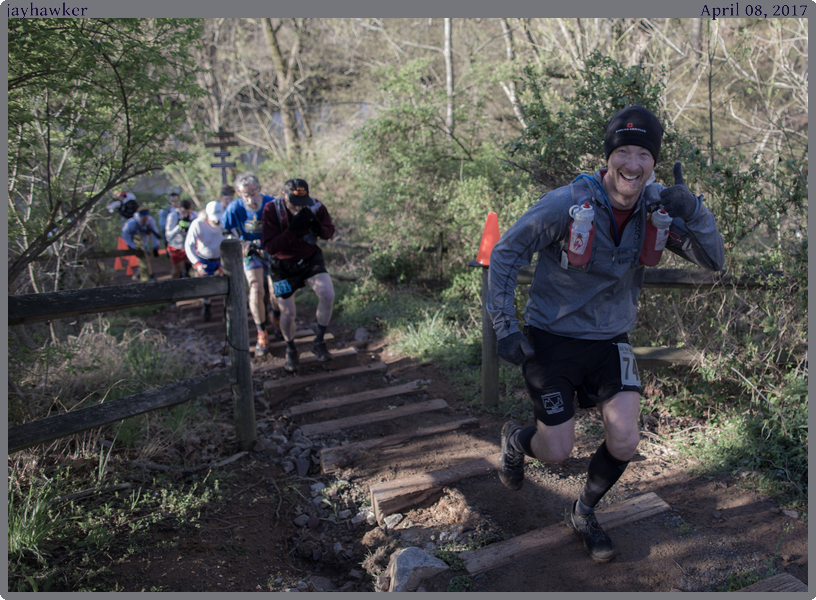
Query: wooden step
[[280, 389], [784, 582], [196, 303], [650, 358], [549, 539], [341, 359], [383, 415], [334, 458], [402, 494], [308, 407], [303, 337]]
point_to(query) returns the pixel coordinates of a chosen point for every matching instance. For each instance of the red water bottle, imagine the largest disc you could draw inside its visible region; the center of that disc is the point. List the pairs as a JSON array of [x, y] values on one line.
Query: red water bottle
[[657, 234], [581, 234]]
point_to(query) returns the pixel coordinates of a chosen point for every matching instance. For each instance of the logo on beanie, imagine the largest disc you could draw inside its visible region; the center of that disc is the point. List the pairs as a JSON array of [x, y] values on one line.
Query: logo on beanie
[[630, 127]]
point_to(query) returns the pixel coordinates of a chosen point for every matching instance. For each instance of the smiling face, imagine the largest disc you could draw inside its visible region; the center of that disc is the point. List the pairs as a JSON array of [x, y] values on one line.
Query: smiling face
[[629, 168]]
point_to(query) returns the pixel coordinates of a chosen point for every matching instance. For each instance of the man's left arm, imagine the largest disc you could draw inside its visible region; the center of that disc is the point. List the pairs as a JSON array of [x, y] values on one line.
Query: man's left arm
[[693, 233], [323, 225]]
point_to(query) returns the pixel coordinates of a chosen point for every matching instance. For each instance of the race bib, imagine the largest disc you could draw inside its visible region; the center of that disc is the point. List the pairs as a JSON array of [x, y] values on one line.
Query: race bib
[[281, 287], [628, 365]]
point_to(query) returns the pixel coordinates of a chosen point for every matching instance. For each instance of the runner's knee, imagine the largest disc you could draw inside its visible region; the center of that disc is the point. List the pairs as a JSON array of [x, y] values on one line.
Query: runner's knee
[[623, 445]]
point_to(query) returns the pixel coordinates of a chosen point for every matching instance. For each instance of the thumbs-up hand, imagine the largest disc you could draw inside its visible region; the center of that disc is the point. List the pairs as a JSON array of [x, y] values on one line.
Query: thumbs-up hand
[[678, 200]]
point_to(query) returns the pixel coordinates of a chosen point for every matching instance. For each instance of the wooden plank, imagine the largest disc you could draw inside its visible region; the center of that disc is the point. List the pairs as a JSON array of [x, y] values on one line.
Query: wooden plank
[[403, 494], [375, 417], [93, 255], [317, 405], [549, 539], [243, 396], [783, 582], [57, 426], [279, 389], [648, 357], [333, 458], [490, 360], [341, 359], [217, 301], [302, 337], [32, 308]]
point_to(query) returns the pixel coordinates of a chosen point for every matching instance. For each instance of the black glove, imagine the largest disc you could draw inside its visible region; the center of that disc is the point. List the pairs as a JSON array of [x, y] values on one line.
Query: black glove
[[156, 252], [316, 226], [678, 200], [301, 221], [514, 348]]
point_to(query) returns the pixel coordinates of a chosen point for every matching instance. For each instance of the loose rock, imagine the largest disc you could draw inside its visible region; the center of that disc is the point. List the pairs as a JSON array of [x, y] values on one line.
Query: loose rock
[[409, 566]]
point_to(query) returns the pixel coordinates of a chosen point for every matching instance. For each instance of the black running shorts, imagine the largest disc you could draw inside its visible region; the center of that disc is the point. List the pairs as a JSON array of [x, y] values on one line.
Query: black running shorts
[[562, 366], [288, 276]]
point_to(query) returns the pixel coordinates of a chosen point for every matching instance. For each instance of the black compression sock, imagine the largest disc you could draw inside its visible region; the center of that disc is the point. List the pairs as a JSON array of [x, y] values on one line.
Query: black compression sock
[[291, 345], [604, 470], [262, 326], [523, 439], [321, 331]]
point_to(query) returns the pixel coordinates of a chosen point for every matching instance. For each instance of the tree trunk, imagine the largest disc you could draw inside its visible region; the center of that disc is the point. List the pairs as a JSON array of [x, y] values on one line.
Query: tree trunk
[[696, 42], [284, 87], [510, 87], [449, 76]]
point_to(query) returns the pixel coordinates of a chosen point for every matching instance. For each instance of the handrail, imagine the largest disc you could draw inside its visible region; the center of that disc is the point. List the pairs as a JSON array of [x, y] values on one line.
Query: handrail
[[31, 308]]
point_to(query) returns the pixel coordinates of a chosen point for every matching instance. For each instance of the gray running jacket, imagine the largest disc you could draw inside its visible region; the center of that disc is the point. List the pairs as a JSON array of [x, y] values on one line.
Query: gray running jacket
[[598, 300]]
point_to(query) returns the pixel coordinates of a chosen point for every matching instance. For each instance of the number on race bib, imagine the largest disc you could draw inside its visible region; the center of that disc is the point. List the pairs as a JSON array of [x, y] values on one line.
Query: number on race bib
[[628, 365], [281, 287]]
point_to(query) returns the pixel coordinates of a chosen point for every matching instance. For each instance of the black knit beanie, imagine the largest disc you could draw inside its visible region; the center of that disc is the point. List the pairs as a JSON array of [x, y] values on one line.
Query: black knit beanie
[[634, 125]]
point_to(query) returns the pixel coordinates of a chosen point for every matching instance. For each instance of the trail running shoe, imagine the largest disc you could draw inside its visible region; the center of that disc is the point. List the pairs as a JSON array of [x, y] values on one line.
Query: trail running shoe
[[598, 545], [292, 361], [321, 352], [511, 462], [262, 344]]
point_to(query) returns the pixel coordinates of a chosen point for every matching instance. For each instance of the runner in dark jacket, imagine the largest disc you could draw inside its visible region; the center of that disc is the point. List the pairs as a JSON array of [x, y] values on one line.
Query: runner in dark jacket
[[291, 226]]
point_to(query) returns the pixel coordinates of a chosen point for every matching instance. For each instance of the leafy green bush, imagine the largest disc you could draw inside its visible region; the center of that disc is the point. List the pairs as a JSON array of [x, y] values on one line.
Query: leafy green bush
[[556, 147]]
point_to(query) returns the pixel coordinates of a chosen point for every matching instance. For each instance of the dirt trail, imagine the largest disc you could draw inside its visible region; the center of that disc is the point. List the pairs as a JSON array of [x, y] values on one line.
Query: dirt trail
[[275, 534]]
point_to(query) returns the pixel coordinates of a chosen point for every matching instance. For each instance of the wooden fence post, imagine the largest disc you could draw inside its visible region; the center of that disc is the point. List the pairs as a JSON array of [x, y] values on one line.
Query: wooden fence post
[[243, 399], [490, 359]]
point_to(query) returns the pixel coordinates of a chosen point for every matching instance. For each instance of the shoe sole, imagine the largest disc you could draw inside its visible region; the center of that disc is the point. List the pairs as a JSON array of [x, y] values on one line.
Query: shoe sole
[[510, 484], [595, 558]]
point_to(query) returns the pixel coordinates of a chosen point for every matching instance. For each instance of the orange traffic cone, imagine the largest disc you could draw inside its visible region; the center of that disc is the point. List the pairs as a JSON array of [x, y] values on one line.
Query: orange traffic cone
[[129, 269], [120, 245], [490, 236]]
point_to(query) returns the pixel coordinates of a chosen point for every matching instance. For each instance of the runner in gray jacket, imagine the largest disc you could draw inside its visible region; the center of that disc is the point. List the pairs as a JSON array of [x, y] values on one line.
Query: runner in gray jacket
[[578, 317]]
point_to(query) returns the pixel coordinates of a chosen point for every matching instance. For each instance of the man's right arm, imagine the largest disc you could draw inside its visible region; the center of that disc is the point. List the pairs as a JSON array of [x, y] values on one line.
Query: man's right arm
[[172, 226], [190, 241], [547, 221]]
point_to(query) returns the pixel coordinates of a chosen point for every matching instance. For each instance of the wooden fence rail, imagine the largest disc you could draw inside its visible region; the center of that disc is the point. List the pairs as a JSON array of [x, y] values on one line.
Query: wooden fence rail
[[31, 308], [646, 357]]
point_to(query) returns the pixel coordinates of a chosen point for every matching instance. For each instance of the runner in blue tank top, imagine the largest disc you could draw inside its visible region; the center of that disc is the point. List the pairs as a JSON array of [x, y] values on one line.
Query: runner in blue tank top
[[243, 219]]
